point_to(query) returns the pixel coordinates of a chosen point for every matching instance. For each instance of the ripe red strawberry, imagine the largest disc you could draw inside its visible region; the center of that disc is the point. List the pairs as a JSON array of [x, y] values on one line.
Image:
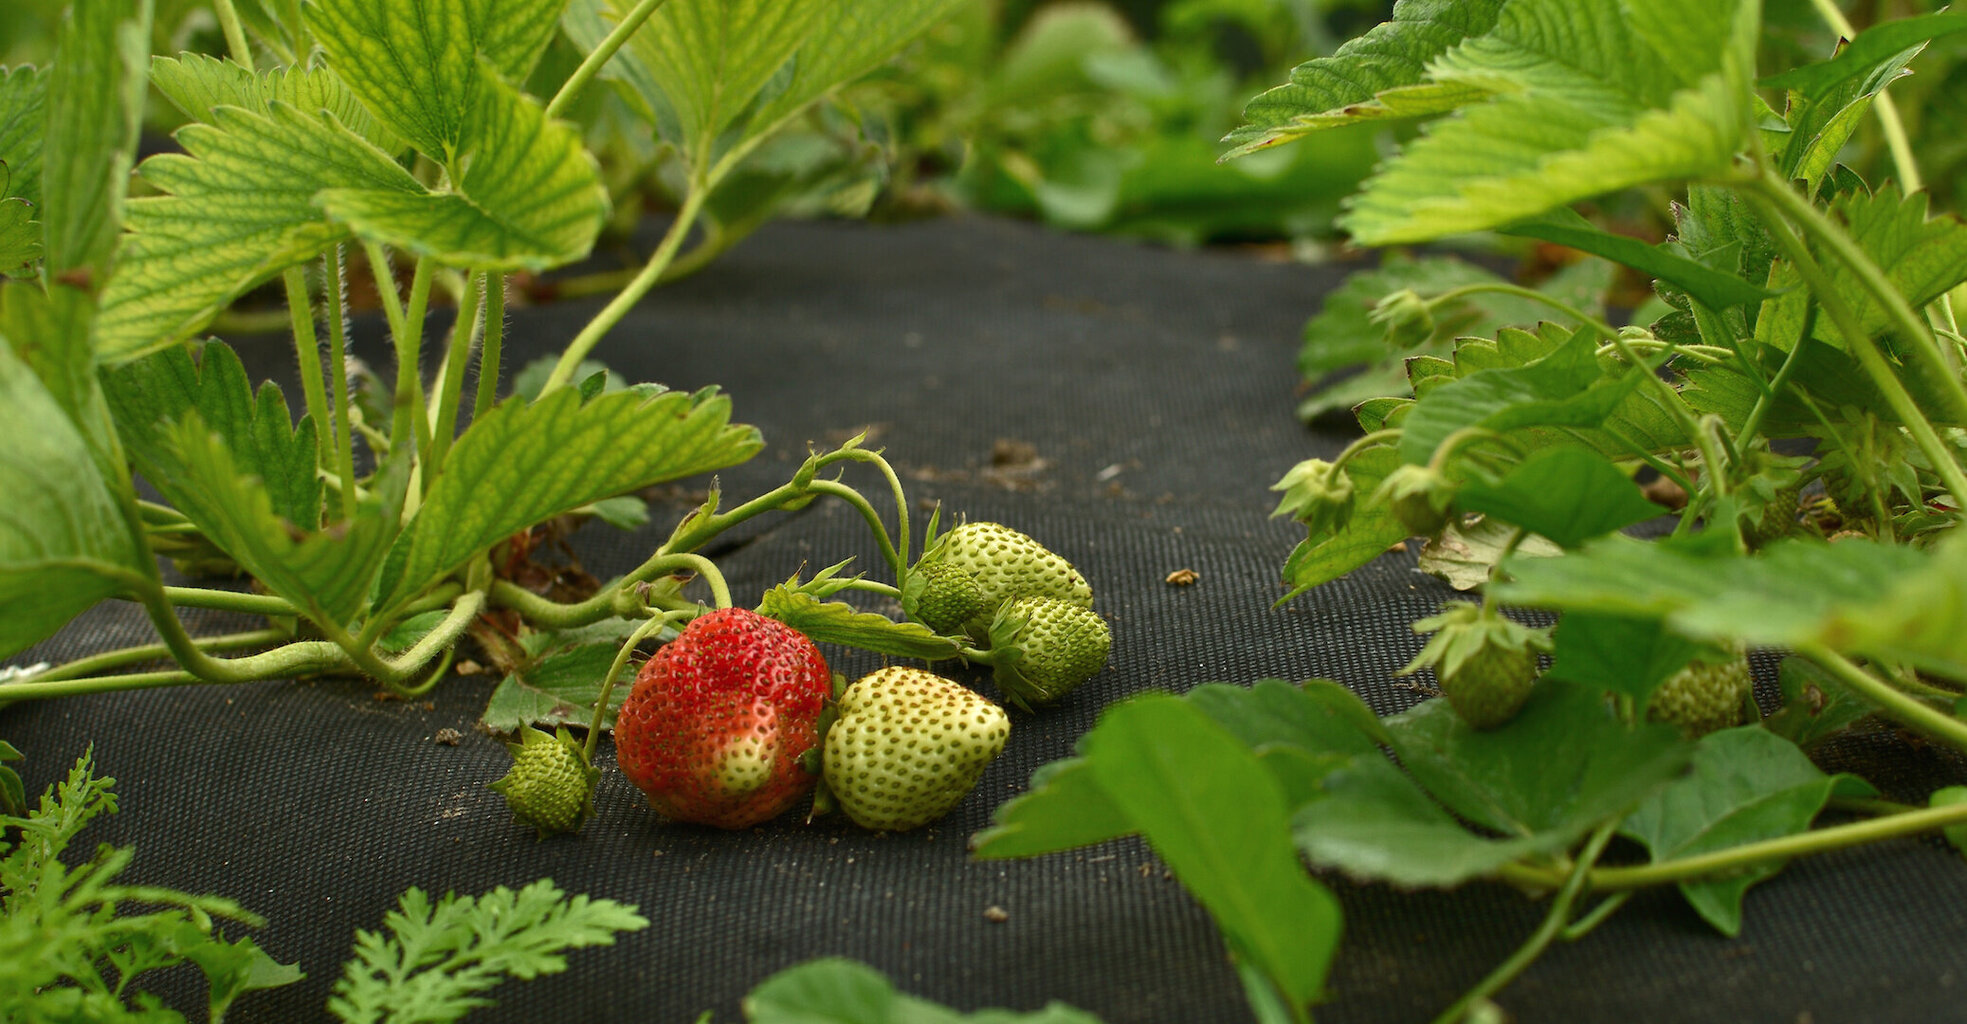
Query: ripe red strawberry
[[720, 718]]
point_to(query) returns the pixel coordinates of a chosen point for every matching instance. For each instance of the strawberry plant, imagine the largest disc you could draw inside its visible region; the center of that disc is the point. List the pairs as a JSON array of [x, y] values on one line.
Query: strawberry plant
[[1802, 352], [381, 529]]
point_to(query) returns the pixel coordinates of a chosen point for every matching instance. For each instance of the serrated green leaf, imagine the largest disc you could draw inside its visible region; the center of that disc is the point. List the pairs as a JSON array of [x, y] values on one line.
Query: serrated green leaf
[[1591, 96], [64, 541], [197, 84], [1381, 74], [848, 39], [1856, 596], [414, 66], [1568, 495], [1563, 389], [528, 196], [527, 462], [152, 394], [1717, 289], [1824, 110], [241, 208], [841, 623], [1858, 58], [327, 572], [23, 123], [1366, 535], [559, 689], [710, 59], [95, 105], [20, 237], [1745, 786], [1220, 822], [1923, 257]]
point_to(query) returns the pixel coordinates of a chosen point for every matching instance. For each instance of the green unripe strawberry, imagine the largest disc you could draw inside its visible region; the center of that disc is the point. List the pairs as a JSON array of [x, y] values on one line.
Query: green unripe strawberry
[[943, 596], [1486, 664], [550, 785], [1705, 696], [1041, 648], [1009, 565], [908, 746]]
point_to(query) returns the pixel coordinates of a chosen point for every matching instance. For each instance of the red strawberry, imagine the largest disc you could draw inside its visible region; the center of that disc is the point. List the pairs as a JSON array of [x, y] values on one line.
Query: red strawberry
[[720, 717]]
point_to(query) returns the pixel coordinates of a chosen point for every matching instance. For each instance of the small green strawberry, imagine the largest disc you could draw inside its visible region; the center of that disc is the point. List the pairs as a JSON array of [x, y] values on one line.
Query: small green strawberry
[[1008, 565], [908, 746], [943, 596], [1041, 648], [1709, 694], [550, 785], [1419, 496], [1486, 664]]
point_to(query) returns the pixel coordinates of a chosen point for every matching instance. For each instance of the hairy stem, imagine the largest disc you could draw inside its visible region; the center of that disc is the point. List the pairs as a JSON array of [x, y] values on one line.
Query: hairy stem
[[1505, 288], [450, 391], [235, 34], [307, 357], [409, 418], [867, 511], [338, 359], [230, 601], [489, 349]]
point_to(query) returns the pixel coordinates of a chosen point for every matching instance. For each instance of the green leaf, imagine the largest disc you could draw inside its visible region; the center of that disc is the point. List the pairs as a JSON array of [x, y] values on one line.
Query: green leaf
[[151, 395], [20, 237], [524, 463], [1381, 74], [50, 331], [23, 123], [1567, 495], [831, 990], [1064, 808], [848, 39], [240, 208], [1318, 726], [1366, 535], [1859, 57], [702, 68], [1716, 289], [1827, 101], [523, 194], [64, 544], [1563, 389], [1591, 96], [198, 84], [840, 623], [328, 572], [1746, 786], [1923, 258], [1857, 596], [527, 196], [558, 689], [1627, 656], [233, 969], [95, 104], [1563, 765], [1220, 821], [435, 960]]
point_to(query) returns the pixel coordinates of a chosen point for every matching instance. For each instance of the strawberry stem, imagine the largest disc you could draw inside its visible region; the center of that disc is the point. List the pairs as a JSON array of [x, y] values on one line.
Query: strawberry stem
[[642, 632]]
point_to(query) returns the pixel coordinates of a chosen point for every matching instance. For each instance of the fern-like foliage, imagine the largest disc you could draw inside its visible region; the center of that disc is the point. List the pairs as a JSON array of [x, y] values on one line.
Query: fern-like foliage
[[433, 962]]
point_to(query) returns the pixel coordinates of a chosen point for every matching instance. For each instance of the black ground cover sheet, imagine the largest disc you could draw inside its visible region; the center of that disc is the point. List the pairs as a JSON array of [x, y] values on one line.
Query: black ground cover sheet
[[1129, 406]]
